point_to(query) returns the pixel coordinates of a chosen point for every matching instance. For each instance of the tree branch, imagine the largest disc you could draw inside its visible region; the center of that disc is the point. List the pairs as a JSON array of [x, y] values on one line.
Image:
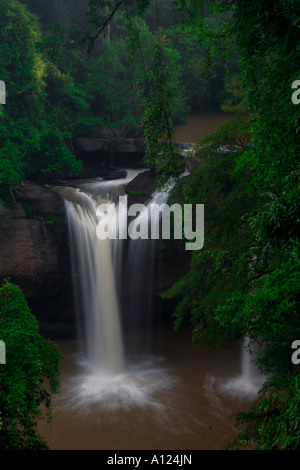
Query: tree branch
[[92, 39]]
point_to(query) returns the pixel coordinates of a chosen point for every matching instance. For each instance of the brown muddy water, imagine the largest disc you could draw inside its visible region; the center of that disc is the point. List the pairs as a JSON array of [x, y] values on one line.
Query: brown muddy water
[[174, 399], [200, 124]]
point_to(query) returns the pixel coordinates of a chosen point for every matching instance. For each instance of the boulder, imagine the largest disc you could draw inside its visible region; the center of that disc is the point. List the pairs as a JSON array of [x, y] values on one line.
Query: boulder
[[129, 146], [140, 189], [192, 163], [98, 144], [38, 199], [114, 174], [32, 255], [105, 133], [93, 144]]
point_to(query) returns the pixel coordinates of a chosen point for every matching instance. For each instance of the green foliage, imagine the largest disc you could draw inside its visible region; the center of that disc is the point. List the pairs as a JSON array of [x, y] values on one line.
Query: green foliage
[[43, 105], [121, 45], [84, 34], [273, 422], [137, 193], [221, 267], [234, 132], [245, 281], [162, 154], [113, 81], [22, 68], [29, 377], [206, 50], [114, 77], [270, 63]]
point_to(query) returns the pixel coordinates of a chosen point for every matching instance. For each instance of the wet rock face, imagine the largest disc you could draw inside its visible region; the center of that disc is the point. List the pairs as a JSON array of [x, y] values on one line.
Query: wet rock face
[[140, 189], [33, 243], [107, 143], [39, 199], [90, 145]]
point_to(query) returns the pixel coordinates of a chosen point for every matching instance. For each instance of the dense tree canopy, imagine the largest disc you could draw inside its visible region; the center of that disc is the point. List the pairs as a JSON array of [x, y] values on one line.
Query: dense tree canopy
[[42, 106]]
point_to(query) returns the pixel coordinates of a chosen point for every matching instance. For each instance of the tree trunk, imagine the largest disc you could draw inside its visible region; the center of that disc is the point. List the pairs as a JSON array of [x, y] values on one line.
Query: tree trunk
[[107, 27]]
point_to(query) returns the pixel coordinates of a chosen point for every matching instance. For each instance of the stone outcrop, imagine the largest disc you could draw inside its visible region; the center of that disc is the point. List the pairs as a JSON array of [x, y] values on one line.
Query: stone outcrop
[[99, 152], [92, 144], [34, 251], [103, 151], [39, 200], [140, 189], [192, 163], [97, 144]]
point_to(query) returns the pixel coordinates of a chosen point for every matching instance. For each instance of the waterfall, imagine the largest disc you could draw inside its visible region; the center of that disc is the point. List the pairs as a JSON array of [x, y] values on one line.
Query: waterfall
[[94, 271], [250, 379], [140, 269], [249, 370], [103, 269], [107, 271], [250, 376]]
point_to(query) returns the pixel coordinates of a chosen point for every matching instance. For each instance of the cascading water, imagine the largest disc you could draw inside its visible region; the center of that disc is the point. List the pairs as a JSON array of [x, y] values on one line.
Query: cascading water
[[97, 265], [94, 275], [140, 266], [250, 380]]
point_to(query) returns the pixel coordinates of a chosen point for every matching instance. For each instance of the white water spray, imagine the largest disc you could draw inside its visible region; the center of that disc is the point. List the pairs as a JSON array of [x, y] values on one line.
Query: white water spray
[[248, 383]]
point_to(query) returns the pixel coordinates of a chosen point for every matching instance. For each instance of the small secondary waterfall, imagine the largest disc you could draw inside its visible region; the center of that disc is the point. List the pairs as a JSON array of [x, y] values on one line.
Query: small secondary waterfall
[[250, 380], [249, 370]]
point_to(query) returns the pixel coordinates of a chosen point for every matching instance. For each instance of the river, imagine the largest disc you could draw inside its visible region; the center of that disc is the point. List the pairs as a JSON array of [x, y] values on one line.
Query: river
[[200, 124], [174, 399]]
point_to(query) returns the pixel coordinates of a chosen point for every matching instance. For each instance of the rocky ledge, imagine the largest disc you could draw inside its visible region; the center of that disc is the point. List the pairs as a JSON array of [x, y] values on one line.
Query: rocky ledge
[[97, 153]]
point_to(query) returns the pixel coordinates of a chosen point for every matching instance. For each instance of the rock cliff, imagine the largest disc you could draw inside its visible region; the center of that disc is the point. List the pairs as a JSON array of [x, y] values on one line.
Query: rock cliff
[[34, 252]]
